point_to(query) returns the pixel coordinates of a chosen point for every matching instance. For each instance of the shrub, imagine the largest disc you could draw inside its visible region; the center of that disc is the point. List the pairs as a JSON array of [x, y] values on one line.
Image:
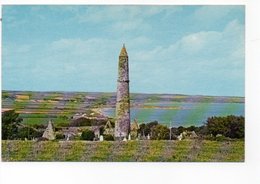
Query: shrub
[[88, 135], [145, 129], [192, 128], [160, 132], [10, 123], [230, 126], [180, 129], [108, 137], [202, 130], [60, 136], [5, 95], [39, 126], [28, 133]]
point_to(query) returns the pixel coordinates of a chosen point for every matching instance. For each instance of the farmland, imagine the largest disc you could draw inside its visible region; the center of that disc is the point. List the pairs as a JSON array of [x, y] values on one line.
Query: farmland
[[131, 151], [185, 110]]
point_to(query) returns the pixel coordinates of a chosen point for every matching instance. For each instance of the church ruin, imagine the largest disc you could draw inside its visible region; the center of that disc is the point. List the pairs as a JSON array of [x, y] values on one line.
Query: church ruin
[[122, 124]]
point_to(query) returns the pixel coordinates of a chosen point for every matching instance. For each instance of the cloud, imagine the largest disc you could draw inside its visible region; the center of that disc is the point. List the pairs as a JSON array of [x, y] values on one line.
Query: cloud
[[203, 44], [215, 55], [123, 13], [124, 18], [212, 13]]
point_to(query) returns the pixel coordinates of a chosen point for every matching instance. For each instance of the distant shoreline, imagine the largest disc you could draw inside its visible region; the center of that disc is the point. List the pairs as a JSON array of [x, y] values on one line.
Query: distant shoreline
[[114, 93]]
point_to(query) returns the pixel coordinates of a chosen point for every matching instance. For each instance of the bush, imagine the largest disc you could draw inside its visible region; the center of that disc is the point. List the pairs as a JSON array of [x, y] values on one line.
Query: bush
[[160, 132], [202, 130], [39, 126], [28, 133], [145, 129], [5, 95], [10, 124], [60, 136], [230, 126], [108, 137], [88, 135]]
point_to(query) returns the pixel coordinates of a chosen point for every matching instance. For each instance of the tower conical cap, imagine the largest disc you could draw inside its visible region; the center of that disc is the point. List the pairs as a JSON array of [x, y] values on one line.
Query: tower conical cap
[[123, 51]]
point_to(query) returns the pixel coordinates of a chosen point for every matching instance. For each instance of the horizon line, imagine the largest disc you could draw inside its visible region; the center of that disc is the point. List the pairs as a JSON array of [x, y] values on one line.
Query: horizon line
[[148, 93]]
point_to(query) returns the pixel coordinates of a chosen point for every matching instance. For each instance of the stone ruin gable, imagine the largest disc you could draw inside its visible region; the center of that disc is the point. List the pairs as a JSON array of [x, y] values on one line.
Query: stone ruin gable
[[49, 132], [122, 124], [135, 126], [108, 129], [134, 129]]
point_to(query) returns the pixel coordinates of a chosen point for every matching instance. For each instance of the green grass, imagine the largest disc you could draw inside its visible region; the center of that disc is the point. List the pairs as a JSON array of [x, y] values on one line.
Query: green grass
[[20, 105], [144, 151], [208, 150], [235, 151], [103, 152], [47, 151], [155, 151], [180, 151], [33, 121], [128, 149], [74, 150], [17, 150]]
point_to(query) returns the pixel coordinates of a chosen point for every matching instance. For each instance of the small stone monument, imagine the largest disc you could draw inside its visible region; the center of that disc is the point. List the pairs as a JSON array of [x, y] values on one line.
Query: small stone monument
[[68, 137], [148, 137], [49, 133], [138, 137], [101, 138], [180, 137], [193, 135], [129, 137]]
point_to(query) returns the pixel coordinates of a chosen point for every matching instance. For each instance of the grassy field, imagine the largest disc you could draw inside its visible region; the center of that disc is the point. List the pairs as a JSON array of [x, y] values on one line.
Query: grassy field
[[131, 151]]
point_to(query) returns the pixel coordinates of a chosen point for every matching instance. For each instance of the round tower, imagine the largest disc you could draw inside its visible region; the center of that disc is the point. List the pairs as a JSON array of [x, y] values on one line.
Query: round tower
[[122, 124]]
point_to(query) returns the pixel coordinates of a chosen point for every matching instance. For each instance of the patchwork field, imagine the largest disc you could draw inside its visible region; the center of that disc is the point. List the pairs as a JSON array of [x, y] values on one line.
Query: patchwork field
[[185, 110], [131, 151]]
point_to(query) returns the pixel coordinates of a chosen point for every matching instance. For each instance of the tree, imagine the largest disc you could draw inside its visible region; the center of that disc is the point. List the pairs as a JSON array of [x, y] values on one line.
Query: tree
[[160, 132], [87, 135], [230, 126], [28, 133], [145, 129], [10, 123], [108, 137]]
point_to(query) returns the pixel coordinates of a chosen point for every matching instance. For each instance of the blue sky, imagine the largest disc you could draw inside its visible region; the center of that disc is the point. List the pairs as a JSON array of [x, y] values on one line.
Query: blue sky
[[172, 49]]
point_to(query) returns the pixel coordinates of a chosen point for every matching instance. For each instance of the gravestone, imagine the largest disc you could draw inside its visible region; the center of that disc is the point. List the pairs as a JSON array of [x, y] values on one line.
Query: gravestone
[[101, 138]]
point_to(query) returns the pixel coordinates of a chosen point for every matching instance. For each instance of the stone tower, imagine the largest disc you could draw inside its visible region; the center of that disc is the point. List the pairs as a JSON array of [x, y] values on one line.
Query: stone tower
[[122, 125]]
